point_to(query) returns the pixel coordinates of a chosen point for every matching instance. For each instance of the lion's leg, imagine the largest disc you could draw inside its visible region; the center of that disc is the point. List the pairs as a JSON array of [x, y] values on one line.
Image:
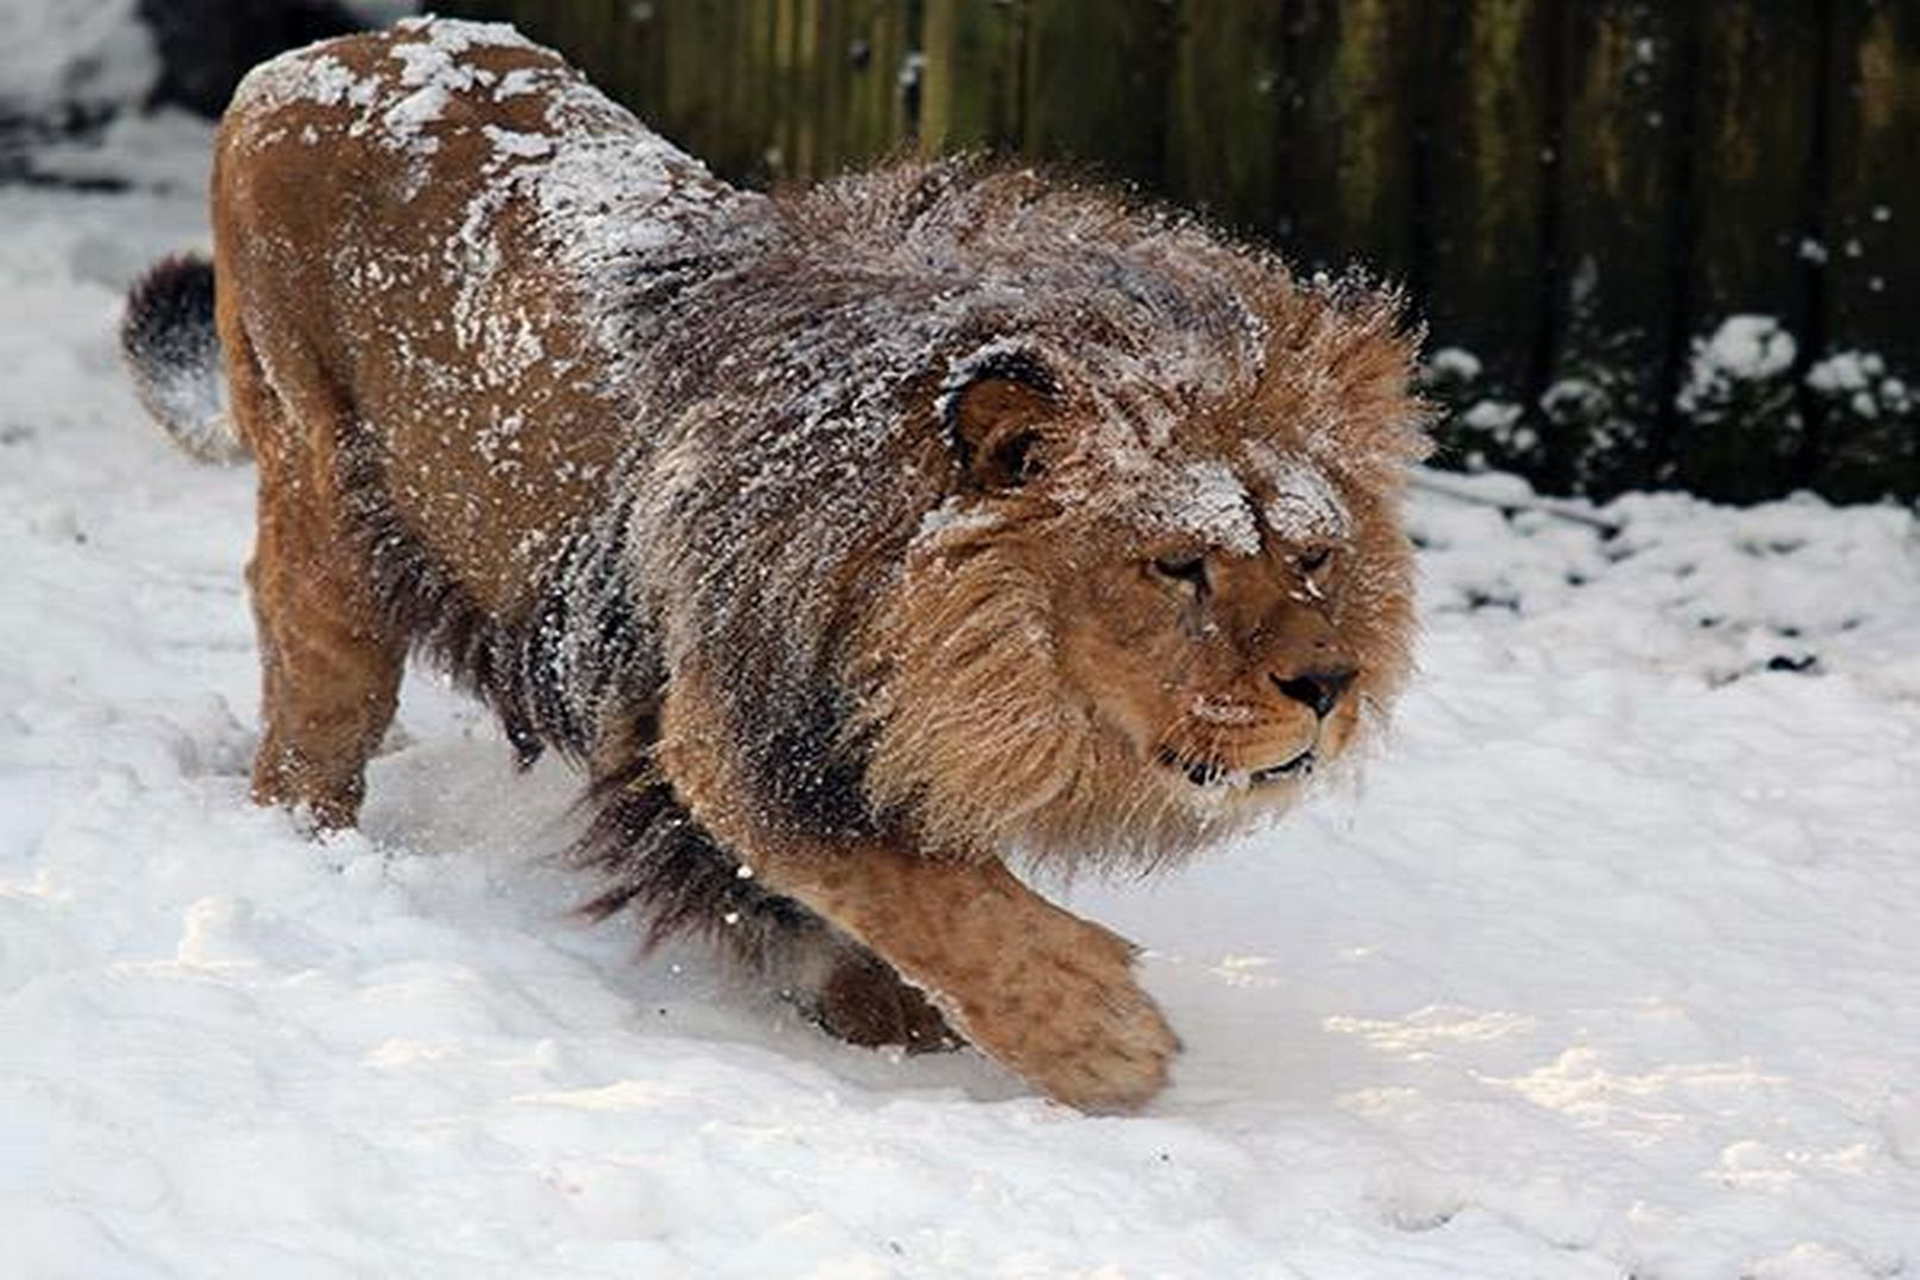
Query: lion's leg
[[330, 675], [330, 670], [862, 1000], [654, 856], [841, 986], [1049, 994]]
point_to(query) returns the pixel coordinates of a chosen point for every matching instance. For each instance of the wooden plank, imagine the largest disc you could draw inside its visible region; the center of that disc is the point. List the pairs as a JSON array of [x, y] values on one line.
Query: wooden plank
[[821, 60], [1620, 240], [768, 74], [697, 44], [534, 18], [1869, 437], [1491, 154], [753, 94], [643, 58], [1097, 75], [974, 82], [1349, 108], [558, 24], [794, 124], [876, 81], [599, 40], [854, 59], [1226, 113], [486, 10], [1753, 156]]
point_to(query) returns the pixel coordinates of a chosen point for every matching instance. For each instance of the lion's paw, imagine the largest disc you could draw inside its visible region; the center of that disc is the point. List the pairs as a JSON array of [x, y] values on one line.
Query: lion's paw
[[1070, 1017], [864, 1002]]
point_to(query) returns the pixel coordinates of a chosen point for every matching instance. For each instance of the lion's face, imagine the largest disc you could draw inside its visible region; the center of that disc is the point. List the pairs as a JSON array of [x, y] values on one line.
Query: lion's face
[[1224, 667], [1117, 640]]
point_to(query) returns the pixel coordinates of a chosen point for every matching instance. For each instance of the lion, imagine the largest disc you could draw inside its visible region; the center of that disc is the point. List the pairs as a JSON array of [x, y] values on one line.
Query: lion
[[853, 540]]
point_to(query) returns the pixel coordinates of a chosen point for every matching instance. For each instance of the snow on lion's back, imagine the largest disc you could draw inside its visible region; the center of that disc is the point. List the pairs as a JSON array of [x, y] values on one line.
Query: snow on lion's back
[[608, 193]]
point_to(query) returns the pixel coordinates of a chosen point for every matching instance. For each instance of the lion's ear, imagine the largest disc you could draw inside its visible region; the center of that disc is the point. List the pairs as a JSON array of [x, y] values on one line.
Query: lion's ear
[[993, 415]]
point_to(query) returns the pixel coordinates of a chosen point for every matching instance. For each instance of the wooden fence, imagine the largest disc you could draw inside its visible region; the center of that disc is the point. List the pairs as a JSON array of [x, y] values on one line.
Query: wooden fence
[[1579, 194]]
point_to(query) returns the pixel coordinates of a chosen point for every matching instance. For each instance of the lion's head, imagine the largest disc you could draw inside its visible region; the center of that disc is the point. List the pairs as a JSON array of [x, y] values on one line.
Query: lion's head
[[1144, 620]]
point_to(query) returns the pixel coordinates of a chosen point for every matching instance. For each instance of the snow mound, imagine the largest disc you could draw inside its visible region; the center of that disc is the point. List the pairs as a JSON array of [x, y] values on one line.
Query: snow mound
[[1745, 352]]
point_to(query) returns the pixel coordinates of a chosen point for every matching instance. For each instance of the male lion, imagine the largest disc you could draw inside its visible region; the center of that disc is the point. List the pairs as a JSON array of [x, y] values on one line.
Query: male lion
[[851, 539]]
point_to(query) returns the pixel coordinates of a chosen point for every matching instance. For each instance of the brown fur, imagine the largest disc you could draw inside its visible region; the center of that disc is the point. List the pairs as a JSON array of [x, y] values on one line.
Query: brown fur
[[831, 533]]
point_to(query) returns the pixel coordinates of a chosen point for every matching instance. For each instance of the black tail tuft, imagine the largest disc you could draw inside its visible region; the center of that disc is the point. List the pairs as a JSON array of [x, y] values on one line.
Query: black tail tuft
[[172, 348]]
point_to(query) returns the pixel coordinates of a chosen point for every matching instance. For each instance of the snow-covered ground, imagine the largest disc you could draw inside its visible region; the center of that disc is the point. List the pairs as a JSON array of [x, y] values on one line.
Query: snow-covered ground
[[1610, 966]]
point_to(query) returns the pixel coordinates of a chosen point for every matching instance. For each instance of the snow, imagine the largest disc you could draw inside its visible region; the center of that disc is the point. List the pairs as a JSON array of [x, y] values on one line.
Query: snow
[[56, 54], [1748, 348], [1606, 967], [1303, 505], [1203, 502], [429, 71], [1455, 363], [1745, 350], [1492, 416], [1504, 423], [1860, 379]]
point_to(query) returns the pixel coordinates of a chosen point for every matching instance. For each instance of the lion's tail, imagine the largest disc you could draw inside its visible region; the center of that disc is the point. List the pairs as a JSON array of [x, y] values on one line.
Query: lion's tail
[[173, 350]]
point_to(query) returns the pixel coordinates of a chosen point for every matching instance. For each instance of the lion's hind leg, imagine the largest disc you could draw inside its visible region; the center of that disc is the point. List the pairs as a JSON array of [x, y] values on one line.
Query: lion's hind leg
[[330, 666]]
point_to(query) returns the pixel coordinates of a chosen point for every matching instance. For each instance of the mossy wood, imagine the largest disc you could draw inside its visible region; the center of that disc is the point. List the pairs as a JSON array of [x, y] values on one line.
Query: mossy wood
[[1869, 436], [1755, 112], [1489, 163], [1619, 288]]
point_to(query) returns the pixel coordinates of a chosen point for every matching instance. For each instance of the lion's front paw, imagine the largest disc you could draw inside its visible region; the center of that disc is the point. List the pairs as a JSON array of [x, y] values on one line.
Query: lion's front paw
[[1070, 1018]]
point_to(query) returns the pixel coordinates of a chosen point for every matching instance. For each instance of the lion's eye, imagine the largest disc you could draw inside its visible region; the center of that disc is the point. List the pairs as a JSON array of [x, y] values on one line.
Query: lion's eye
[[1189, 572], [1314, 559]]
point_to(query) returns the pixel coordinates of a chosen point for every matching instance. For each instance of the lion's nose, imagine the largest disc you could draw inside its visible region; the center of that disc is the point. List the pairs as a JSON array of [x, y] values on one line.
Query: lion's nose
[[1319, 690]]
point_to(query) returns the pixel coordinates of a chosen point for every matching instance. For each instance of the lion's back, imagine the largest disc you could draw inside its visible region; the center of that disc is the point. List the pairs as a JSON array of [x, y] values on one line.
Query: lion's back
[[442, 219]]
